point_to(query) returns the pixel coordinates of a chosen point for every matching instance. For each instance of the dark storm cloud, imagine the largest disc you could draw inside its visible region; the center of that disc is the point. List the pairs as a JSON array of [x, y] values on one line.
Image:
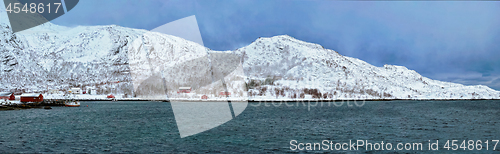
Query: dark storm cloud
[[442, 40]]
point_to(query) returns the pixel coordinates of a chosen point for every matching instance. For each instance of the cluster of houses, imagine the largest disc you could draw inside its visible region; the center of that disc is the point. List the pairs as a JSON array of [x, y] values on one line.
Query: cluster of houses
[[33, 97], [36, 97], [25, 97]]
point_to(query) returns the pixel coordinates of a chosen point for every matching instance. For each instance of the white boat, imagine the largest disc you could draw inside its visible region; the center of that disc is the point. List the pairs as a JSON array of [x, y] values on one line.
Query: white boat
[[72, 104]]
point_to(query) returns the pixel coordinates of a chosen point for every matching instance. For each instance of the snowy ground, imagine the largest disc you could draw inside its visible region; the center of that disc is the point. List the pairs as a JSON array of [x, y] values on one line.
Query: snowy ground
[[195, 97], [9, 102]]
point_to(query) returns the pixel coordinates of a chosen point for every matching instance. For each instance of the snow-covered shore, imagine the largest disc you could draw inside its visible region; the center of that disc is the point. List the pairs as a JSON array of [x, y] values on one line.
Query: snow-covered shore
[[214, 99]]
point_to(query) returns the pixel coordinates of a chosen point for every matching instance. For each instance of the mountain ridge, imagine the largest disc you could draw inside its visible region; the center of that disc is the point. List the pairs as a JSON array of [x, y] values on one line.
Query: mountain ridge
[[275, 67], [359, 79]]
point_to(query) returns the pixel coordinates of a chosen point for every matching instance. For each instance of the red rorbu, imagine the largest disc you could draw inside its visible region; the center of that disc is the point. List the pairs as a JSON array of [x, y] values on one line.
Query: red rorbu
[[31, 97], [7, 96]]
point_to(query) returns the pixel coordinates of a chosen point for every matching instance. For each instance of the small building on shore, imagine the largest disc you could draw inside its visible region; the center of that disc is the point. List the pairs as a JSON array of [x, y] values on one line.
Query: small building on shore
[[184, 90], [53, 91], [224, 94], [7, 96], [31, 97], [90, 90], [75, 91]]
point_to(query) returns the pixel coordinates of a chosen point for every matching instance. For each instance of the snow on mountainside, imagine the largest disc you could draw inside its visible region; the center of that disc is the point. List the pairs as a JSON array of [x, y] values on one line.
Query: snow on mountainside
[[161, 64], [56, 57], [282, 66], [81, 55]]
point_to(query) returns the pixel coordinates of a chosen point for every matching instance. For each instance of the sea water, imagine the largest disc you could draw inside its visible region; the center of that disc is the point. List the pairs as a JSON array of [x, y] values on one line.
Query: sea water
[[150, 127]]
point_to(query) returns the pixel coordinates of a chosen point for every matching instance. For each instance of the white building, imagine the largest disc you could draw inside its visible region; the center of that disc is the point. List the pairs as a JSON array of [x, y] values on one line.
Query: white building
[[91, 91], [53, 91], [75, 91]]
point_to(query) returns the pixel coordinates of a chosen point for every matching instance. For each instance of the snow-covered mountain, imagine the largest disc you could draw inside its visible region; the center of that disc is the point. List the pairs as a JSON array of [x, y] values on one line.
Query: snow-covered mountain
[[56, 57], [286, 67]]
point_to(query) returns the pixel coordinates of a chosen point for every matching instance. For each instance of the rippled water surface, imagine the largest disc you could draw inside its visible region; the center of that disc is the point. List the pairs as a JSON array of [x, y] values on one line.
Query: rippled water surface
[[149, 127]]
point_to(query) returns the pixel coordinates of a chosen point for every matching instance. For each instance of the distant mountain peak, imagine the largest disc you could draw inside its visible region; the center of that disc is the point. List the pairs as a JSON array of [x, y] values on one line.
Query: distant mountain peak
[[281, 41]]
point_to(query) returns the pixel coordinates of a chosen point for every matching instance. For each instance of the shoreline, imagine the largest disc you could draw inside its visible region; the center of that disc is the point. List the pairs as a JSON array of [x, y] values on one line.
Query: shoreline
[[60, 102], [265, 100]]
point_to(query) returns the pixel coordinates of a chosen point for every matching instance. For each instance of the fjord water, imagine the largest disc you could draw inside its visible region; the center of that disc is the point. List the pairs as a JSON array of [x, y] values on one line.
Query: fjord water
[[147, 127]]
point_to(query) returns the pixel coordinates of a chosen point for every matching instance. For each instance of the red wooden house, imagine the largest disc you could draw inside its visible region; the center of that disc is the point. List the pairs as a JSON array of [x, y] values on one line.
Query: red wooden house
[[204, 97], [7, 96], [31, 97]]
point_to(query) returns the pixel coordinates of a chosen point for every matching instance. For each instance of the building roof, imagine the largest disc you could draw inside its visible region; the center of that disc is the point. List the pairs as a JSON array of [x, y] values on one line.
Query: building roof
[[5, 93], [30, 95], [184, 88]]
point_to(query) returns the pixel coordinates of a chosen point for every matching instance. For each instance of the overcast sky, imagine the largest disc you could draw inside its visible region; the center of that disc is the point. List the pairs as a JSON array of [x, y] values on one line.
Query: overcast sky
[[445, 40]]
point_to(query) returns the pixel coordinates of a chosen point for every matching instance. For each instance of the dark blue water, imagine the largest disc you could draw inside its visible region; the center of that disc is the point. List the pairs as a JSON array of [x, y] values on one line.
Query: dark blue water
[[149, 127]]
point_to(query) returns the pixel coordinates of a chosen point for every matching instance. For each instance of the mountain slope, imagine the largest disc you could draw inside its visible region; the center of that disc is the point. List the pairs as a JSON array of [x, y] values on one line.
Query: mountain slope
[[81, 55], [56, 57], [293, 67]]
